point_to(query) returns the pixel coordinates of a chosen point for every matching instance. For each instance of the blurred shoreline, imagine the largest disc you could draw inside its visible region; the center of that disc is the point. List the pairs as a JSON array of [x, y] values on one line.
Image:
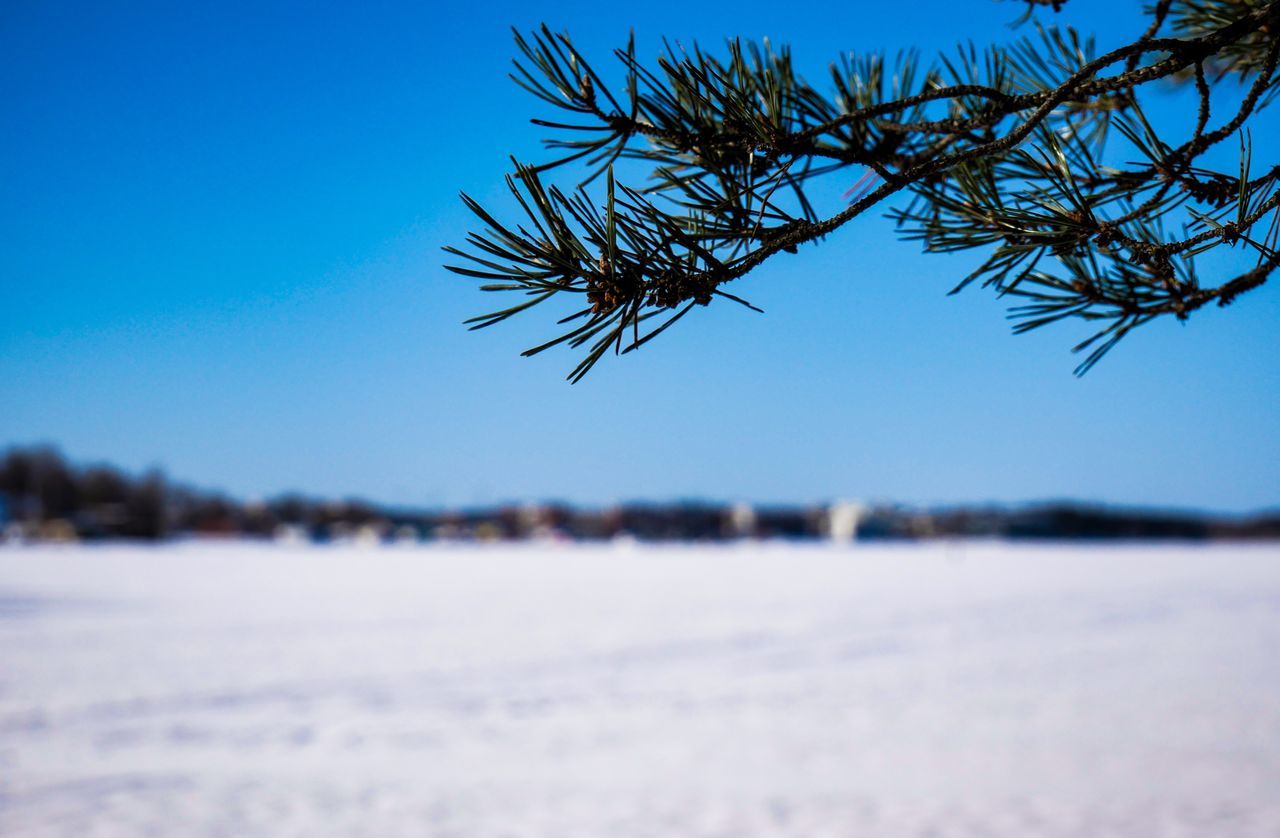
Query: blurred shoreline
[[43, 498]]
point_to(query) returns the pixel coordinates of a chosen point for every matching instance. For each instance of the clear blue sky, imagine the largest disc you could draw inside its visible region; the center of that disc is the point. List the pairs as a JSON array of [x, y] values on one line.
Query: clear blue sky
[[220, 232]]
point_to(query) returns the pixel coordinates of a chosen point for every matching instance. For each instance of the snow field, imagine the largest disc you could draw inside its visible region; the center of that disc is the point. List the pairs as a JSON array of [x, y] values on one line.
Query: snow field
[[917, 690]]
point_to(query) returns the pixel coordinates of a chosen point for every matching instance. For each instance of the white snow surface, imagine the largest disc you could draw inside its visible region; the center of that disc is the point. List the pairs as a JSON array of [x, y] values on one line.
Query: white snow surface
[[962, 689]]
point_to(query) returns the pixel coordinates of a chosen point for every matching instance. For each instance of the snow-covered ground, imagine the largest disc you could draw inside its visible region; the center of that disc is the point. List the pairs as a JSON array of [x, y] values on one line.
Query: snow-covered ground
[[938, 690]]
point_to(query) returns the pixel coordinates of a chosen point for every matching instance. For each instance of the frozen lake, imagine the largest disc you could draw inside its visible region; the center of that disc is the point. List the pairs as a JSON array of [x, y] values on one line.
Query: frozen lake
[[940, 690]]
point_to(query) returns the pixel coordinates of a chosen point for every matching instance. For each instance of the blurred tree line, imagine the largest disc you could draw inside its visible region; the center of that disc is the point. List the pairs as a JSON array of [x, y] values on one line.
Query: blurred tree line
[[43, 497], [44, 493]]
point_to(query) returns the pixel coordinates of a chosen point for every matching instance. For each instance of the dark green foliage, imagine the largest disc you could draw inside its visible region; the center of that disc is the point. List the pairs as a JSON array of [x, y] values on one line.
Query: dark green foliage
[[1038, 153]]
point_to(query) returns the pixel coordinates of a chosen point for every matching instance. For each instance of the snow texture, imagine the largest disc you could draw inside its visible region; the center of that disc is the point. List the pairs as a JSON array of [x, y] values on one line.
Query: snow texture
[[930, 690]]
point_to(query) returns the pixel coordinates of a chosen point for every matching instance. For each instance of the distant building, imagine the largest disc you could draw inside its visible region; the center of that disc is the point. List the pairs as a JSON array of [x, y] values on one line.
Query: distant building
[[406, 534], [843, 518], [368, 535], [742, 521], [58, 531], [290, 534]]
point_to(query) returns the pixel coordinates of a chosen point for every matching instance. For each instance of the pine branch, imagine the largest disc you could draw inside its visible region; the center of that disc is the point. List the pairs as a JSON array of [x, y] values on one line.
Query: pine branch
[[999, 150]]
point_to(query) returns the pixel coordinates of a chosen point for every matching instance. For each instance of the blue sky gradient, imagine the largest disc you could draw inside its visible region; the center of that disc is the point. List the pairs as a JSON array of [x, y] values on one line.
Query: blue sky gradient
[[220, 233]]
